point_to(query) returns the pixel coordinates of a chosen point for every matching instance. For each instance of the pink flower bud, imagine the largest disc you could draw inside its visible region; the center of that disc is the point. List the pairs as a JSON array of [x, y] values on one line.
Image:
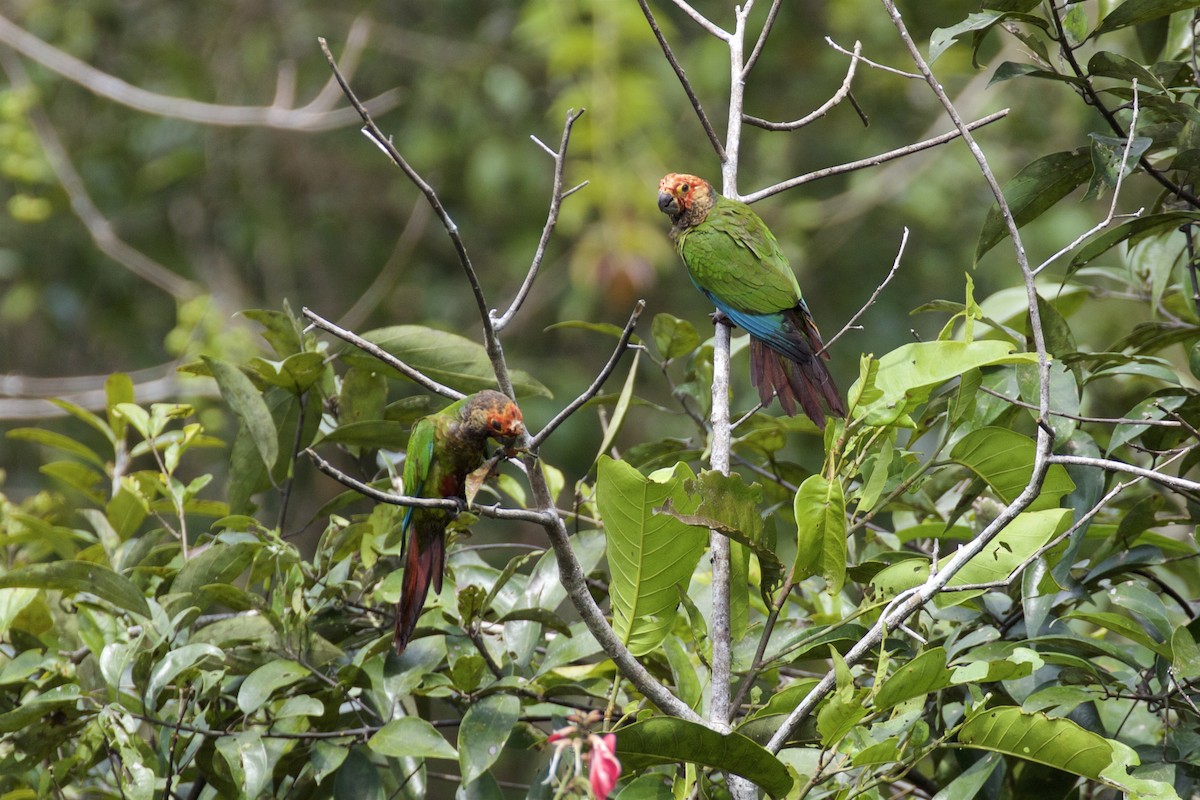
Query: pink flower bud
[[605, 769]]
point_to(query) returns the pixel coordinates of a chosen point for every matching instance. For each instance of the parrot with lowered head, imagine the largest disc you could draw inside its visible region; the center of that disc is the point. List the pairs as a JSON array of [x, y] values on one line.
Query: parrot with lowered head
[[443, 449], [734, 260]]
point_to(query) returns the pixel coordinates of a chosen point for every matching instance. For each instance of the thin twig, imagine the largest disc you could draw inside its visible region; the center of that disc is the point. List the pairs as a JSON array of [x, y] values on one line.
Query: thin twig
[[873, 161], [1162, 423], [1112, 207], [594, 389], [383, 355], [556, 197], [841, 94], [683, 80], [704, 22], [873, 64], [762, 38], [1110, 465], [874, 295], [372, 131]]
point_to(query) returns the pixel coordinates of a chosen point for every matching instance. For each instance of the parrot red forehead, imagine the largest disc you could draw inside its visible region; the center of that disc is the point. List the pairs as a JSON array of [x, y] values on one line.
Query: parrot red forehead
[[676, 183], [511, 421]]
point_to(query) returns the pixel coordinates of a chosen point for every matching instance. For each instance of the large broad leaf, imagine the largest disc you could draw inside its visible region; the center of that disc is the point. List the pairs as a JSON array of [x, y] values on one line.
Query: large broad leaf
[[1135, 12], [649, 554], [662, 740], [259, 685], [79, 576], [411, 737], [820, 509], [729, 506], [996, 562], [1062, 744], [1004, 458], [446, 357], [483, 732], [924, 674], [907, 375], [1037, 187]]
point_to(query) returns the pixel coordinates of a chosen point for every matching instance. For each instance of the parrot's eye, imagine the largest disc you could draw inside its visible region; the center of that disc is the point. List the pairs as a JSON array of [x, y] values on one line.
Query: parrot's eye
[[495, 424], [685, 188]]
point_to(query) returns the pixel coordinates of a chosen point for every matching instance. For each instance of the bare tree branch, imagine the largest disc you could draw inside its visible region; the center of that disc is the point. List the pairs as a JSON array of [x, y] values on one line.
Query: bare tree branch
[[874, 295], [591, 391], [873, 64], [762, 38], [315, 116], [704, 22], [491, 342], [687, 85], [383, 355], [872, 161], [1110, 465], [841, 94], [24, 397], [556, 197]]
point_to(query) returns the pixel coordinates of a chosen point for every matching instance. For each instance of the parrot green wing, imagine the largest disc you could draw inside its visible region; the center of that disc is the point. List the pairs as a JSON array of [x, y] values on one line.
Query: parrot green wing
[[418, 462], [733, 257]]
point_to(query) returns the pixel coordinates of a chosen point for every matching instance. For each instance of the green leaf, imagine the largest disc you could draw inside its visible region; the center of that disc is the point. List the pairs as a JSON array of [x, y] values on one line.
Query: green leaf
[[1134, 229], [35, 709], [222, 562], [363, 396], [126, 510], [1012, 69], [674, 337], [971, 780], [484, 730], [1038, 186], [372, 434], [1062, 744], [411, 737], [942, 38], [820, 510], [247, 402], [58, 441], [358, 778], [448, 358], [662, 740], [1110, 160], [259, 685], [649, 554], [1004, 458], [176, 662], [296, 373], [1135, 12], [325, 758], [1115, 65], [1122, 626], [79, 576], [924, 674], [622, 406], [907, 375], [729, 506]]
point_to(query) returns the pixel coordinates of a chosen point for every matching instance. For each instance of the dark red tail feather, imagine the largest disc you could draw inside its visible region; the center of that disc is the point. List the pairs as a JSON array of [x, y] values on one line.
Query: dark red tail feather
[[424, 564], [807, 383]]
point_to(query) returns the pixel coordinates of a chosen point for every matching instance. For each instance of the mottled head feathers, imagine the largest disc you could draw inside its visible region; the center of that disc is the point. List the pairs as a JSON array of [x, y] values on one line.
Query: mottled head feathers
[[685, 198], [491, 413]]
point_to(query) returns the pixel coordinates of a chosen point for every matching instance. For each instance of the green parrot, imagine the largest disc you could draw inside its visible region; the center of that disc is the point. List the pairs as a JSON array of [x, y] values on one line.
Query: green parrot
[[734, 260], [443, 449]]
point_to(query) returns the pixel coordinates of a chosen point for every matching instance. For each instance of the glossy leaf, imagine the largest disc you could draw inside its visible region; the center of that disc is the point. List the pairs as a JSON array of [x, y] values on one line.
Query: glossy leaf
[[649, 554], [1004, 458], [1035, 188], [1135, 12], [448, 358], [247, 402], [924, 674], [483, 731], [260, 684], [664, 740], [820, 510], [411, 737]]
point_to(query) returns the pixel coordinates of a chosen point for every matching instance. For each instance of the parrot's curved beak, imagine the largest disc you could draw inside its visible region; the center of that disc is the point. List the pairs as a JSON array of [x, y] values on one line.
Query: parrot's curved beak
[[667, 203]]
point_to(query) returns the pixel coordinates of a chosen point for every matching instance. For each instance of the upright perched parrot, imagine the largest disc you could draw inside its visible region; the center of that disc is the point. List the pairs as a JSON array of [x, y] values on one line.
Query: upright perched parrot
[[443, 449], [734, 260]]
